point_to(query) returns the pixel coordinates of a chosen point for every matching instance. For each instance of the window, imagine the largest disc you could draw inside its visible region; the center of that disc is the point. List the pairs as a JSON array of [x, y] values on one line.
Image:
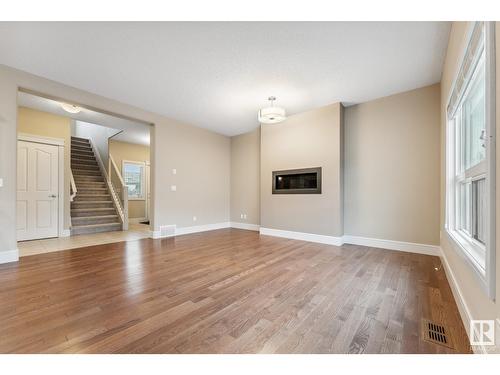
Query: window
[[470, 156], [133, 176]]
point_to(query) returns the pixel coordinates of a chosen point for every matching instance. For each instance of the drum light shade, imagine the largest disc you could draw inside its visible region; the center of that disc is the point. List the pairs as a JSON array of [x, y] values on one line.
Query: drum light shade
[[272, 114]]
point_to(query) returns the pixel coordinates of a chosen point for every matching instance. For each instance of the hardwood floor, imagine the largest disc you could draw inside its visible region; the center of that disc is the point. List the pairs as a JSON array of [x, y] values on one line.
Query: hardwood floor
[[225, 291]]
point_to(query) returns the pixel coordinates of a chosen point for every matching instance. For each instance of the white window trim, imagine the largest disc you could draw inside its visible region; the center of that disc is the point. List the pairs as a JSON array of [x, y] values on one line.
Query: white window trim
[[463, 244], [143, 164]]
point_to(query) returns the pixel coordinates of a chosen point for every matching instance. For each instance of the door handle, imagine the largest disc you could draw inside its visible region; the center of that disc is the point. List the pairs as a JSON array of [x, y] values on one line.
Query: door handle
[[52, 196]]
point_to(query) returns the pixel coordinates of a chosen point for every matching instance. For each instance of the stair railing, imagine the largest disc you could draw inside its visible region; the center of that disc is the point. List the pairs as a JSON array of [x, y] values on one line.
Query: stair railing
[[119, 188], [73, 186], [121, 206]]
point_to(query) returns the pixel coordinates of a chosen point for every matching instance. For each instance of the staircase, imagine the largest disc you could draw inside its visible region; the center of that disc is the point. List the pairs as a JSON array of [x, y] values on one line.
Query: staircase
[[93, 209]]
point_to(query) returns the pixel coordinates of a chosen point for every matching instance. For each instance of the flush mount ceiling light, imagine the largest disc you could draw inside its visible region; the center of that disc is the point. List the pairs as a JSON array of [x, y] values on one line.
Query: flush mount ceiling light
[[71, 108], [271, 114]]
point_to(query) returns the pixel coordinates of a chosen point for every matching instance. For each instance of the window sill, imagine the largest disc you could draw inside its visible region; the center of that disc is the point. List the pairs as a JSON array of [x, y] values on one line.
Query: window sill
[[462, 247]]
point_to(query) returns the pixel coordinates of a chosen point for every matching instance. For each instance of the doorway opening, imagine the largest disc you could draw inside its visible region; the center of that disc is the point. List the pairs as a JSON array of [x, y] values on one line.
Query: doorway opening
[[75, 186]]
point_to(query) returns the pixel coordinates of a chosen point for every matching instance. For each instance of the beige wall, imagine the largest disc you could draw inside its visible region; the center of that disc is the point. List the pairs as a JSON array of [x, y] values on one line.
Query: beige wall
[[245, 177], [477, 303], [45, 124], [309, 139], [202, 159], [132, 152], [392, 167]]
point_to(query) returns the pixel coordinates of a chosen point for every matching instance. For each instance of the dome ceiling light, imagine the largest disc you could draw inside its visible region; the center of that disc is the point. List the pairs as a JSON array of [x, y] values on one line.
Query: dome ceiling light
[[271, 114], [71, 108]]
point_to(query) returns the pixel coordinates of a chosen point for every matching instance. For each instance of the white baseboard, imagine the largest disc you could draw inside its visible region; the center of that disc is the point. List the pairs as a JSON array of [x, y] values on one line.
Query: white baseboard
[[65, 233], [188, 230], [319, 238], [155, 234], [354, 240], [311, 237], [393, 245], [9, 256], [247, 226], [463, 309], [136, 220], [201, 228]]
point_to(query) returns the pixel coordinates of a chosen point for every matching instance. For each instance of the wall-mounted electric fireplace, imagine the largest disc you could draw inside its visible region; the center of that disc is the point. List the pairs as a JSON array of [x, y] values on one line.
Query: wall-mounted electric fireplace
[[297, 181]]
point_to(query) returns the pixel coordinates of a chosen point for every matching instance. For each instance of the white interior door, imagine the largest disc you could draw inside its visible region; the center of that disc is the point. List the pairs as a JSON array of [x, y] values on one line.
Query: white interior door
[[148, 190], [37, 190]]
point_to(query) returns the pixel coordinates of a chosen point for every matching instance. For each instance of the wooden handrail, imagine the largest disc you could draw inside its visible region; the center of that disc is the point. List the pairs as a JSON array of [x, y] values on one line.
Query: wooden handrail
[[73, 186]]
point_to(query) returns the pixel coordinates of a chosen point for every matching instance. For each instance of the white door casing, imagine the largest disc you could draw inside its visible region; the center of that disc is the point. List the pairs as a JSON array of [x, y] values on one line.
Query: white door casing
[[37, 190], [148, 191]]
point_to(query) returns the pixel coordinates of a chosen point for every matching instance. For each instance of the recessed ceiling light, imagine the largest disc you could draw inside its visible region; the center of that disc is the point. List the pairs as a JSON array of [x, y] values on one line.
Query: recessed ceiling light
[[272, 114], [71, 108]]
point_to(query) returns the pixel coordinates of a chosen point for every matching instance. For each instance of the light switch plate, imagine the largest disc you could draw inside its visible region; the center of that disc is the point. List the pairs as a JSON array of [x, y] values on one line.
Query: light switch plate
[[1, 182], [173, 188], [174, 171]]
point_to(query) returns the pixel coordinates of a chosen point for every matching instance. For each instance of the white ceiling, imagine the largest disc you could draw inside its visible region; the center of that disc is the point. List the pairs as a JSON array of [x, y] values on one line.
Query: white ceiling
[[131, 131], [217, 75]]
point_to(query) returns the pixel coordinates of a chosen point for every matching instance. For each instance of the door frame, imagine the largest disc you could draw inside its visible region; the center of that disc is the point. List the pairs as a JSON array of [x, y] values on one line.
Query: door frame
[[60, 143], [147, 177]]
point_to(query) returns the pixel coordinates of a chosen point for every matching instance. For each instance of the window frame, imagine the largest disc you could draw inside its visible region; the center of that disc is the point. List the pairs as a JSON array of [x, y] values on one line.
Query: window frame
[[143, 179], [467, 247]]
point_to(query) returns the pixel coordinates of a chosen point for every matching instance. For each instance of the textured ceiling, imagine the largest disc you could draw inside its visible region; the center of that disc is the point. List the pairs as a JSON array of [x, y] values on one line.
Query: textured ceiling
[[217, 75]]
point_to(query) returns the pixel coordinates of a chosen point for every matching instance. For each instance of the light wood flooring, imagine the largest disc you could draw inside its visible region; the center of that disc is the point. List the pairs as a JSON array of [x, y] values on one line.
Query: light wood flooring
[[225, 291]]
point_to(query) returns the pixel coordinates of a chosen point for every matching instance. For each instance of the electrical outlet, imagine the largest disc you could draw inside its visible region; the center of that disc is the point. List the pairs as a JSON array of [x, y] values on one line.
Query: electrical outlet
[[174, 171], [244, 216], [241, 216], [1, 182], [195, 218], [173, 188]]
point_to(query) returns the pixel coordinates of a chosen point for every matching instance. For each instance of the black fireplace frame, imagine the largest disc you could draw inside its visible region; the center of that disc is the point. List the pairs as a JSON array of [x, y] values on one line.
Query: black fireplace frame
[[316, 190]]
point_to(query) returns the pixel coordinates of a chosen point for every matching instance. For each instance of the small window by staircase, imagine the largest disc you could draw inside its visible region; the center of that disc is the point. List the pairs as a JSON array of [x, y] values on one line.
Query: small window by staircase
[[133, 176]]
